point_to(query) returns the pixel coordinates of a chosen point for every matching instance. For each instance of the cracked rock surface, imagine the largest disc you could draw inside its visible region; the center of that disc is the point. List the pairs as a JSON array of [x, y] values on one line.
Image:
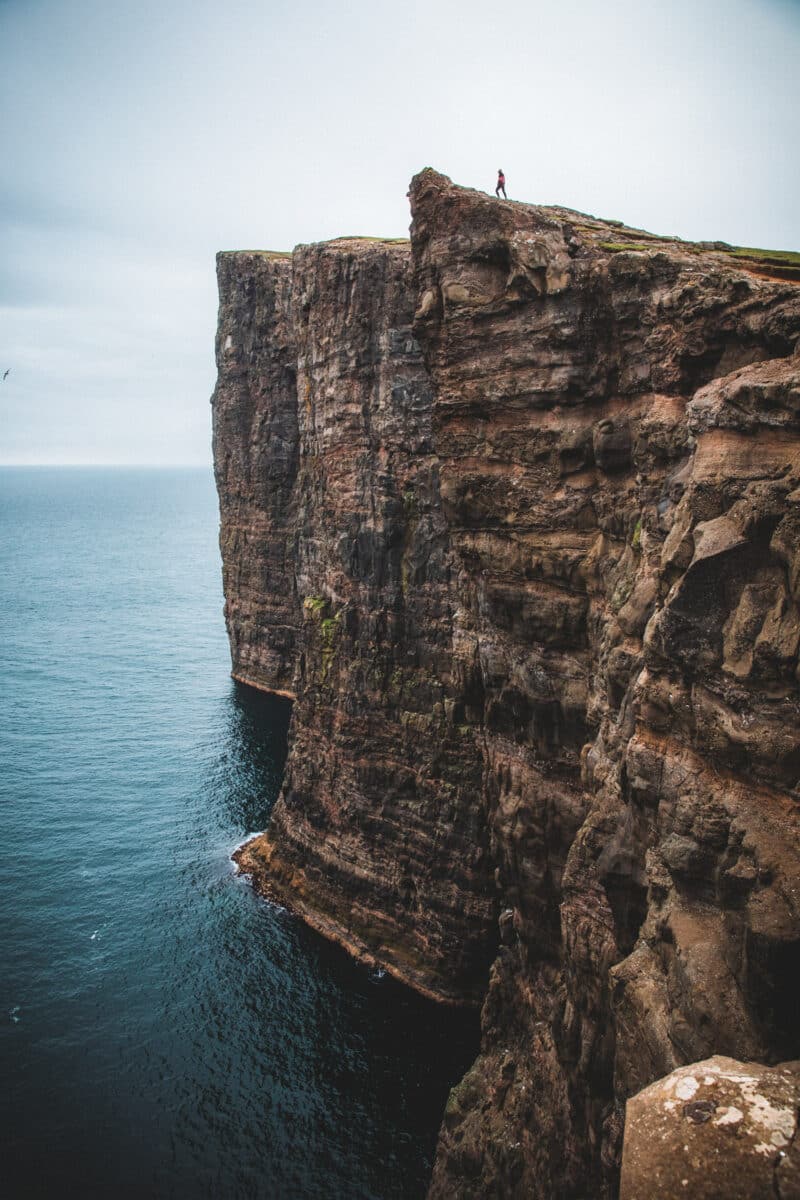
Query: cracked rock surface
[[715, 1128]]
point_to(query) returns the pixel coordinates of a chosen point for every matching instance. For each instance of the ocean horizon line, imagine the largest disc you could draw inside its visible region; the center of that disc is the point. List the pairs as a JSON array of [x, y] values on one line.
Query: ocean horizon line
[[108, 466]]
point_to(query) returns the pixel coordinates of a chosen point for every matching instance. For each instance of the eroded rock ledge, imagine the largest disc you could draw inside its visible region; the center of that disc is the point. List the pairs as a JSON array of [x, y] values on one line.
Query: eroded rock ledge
[[513, 511]]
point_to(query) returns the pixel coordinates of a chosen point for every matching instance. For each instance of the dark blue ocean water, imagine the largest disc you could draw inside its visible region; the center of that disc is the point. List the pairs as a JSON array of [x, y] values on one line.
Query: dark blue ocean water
[[163, 1032]]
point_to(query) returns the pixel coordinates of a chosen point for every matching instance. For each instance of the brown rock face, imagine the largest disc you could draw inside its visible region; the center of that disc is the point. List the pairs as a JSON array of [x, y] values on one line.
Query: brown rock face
[[515, 513], [256, 449], [380, 838], [716, 1128]]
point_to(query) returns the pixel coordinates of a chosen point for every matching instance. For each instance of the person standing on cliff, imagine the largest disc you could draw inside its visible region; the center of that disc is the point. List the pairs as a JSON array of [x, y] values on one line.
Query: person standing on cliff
[[501, 185]]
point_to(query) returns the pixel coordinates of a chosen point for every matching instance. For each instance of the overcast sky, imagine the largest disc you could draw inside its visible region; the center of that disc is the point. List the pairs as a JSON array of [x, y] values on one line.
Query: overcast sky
[[138, 139]]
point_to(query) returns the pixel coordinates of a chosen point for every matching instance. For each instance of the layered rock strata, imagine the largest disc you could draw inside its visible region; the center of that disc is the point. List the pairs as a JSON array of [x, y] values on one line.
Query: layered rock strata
[[329, 486], [513, 512]]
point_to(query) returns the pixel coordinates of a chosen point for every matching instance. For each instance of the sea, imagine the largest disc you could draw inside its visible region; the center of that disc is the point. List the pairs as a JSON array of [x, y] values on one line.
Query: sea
[[164, 1032]]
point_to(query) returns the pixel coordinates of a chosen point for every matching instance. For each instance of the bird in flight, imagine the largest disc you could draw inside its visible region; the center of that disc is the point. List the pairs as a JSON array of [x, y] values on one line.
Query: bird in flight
[[5, 373]]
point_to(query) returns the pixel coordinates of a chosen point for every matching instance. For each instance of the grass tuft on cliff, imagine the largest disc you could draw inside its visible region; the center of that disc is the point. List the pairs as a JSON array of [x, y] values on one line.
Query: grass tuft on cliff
[[788, 258], [615, 247]]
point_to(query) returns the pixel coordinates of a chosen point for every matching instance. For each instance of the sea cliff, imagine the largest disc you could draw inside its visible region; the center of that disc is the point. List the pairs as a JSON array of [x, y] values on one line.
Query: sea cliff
[[512, 510]]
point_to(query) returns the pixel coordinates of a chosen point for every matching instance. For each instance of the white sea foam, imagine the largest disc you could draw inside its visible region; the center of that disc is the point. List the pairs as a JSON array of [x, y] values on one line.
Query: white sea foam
[[247, 838]]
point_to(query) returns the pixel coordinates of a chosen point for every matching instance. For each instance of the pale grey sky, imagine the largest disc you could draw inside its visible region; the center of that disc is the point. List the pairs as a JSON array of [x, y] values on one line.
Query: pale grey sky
[[138, 139]]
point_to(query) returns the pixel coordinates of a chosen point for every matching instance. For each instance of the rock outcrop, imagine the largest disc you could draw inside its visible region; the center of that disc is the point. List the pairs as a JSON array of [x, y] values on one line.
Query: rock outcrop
[[717, 1128], [513, 512]]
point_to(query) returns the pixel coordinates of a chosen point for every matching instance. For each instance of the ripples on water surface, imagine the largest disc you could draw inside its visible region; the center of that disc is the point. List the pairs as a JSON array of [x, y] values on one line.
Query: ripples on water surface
[[163, 1032]]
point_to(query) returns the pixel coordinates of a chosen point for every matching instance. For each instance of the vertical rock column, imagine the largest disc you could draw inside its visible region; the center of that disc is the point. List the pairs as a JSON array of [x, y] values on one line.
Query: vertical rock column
[[379, 838], [255, 462], [510, 339]]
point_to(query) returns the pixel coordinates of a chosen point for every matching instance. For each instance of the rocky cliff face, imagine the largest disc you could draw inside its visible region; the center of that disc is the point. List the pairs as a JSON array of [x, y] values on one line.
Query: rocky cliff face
[[513, 511]]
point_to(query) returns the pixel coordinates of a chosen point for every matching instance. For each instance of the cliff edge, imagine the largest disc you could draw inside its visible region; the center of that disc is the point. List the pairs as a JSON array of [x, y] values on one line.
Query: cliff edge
[[512, 510]]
